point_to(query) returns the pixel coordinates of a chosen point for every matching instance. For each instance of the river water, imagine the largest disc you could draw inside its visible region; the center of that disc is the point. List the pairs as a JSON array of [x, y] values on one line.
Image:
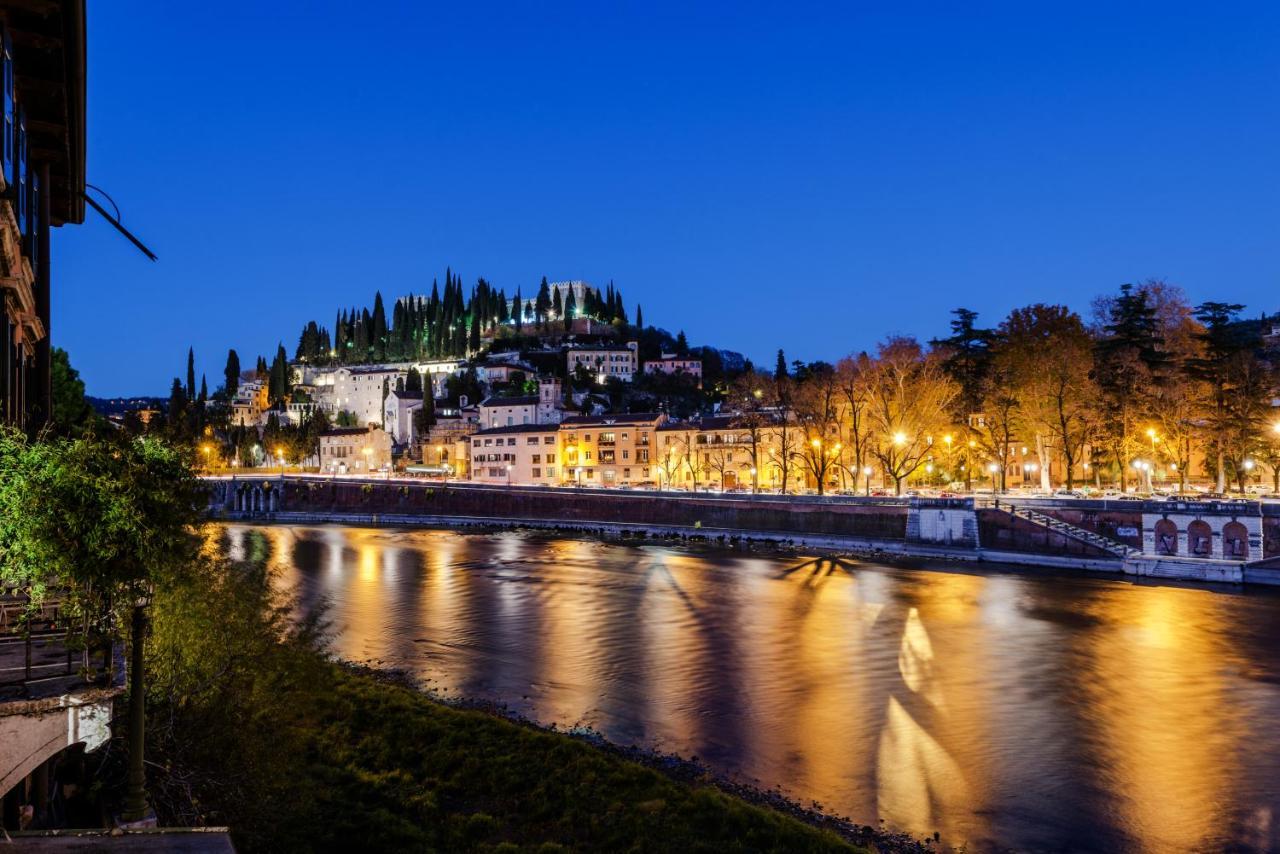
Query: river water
[[1003, 709]]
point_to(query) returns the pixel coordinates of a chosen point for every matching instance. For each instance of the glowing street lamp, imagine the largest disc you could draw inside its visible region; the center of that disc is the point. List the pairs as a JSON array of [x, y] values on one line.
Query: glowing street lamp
[[755, 485], [899, 438], [866, 473]]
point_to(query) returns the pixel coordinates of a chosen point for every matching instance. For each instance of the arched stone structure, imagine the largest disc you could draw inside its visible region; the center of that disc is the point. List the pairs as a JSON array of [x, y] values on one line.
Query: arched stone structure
[[1203, 530], [1166, 537], [1200, 539], [1235, 541]]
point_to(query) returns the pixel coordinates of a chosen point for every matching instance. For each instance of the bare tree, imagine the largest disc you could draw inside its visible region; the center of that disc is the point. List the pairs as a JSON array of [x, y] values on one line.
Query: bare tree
[[909, 396], [818, 402], [851, 374]]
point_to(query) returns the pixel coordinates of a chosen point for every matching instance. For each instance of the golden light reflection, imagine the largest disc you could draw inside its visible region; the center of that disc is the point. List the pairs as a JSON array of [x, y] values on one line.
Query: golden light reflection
[[1164, 715]]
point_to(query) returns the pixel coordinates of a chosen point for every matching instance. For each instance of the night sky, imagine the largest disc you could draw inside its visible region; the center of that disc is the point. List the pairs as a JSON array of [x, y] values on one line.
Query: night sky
[[814, 180]]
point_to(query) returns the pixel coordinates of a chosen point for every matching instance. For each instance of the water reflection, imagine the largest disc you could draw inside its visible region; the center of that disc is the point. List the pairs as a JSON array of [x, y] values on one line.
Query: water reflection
[[1018, 709]]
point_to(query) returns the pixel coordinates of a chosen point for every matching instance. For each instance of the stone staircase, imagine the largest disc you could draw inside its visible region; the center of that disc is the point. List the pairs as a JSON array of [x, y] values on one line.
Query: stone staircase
[[1066, 529]]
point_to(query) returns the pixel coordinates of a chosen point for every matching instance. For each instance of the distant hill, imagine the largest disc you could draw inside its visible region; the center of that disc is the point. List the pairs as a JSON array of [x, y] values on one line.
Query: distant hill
[[108, 406]]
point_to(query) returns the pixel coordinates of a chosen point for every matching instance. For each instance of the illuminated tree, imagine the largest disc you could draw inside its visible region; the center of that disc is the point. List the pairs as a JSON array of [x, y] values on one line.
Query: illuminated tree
[[1050, 356], [909, 400]]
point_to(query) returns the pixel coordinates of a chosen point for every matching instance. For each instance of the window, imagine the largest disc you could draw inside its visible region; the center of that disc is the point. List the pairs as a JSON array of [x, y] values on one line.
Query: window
[[532, 440], [551, 472], [586, 437], [548, 440], [537, 472], [511, 441], [535, 459], [643, 455], [607, 438], [586, 455], [551, 458], [488, 442]]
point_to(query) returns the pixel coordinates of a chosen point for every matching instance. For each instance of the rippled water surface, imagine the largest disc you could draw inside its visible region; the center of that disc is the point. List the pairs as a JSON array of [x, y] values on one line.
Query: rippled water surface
[[1004, 709]]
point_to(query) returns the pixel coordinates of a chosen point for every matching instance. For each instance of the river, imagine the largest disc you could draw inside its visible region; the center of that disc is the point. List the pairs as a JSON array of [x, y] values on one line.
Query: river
[[1011, 708]]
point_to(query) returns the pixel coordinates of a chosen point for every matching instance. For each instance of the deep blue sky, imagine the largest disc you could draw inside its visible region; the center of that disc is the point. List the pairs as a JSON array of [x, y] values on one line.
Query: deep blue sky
[[812, 180]]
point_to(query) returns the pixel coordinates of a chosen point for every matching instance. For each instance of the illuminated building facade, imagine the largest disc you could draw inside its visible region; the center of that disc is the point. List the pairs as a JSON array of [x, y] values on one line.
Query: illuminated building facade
[[42, 182]]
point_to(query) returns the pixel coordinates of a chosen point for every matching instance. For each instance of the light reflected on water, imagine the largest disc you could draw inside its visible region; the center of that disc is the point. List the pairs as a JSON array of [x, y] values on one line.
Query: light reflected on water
[[1015, 710]]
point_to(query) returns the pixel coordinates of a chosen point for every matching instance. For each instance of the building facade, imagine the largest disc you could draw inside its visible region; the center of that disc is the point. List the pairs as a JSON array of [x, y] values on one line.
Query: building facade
[[358, 390], [520, 454], [42, 183], [673, 365], [354, 450], [508, 411], [605, 360], [608, 450], [397, 415]]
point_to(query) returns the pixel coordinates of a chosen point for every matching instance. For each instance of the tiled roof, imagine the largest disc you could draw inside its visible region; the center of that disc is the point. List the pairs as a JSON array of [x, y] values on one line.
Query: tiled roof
[[517, 428], [607, 420]]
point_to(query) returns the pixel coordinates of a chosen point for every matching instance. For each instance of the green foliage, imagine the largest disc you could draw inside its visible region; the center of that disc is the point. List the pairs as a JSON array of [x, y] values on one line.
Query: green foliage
[[253, 727], [101, 519], [71, 412]]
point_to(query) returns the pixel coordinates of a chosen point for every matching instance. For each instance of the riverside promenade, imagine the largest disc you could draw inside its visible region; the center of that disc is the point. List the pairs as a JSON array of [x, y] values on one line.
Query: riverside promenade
[[1228, 541]]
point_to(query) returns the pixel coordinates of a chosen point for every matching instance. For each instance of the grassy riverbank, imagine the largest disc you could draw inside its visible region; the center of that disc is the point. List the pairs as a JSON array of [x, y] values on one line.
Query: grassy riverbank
[[253, 727]]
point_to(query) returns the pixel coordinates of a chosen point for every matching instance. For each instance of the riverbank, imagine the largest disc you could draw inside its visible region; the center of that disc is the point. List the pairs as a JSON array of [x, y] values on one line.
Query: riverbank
[[765, 542], [252, 725]]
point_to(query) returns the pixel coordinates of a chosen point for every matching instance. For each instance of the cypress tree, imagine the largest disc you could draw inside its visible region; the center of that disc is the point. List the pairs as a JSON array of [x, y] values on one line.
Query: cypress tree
[[379, 328], [191, 373], [518, 307], [557, 302], [639, 317], [177, 404], [570, 309], [231, 374], [204, 390], [542, 305], [780, 369]]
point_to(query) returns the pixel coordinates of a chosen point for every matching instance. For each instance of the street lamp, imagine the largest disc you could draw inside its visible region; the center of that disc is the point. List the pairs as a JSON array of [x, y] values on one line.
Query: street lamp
[[368, 454], [207, 449], [866, 473], [508, 474], [577, 472], [899, 438], [280, 458], [755, 486]]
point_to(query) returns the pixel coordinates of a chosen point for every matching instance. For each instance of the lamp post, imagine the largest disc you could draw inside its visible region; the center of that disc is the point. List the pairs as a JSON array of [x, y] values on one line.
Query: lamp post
[[755, 484], [508, 474], [368, 453], [577, 472], [280, 458], [866, 474], [136, 808], [207, 449]]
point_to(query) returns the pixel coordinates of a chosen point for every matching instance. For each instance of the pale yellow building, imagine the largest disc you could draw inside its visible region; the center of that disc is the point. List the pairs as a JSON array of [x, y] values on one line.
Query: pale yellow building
[[354, 450], [519, 454]]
